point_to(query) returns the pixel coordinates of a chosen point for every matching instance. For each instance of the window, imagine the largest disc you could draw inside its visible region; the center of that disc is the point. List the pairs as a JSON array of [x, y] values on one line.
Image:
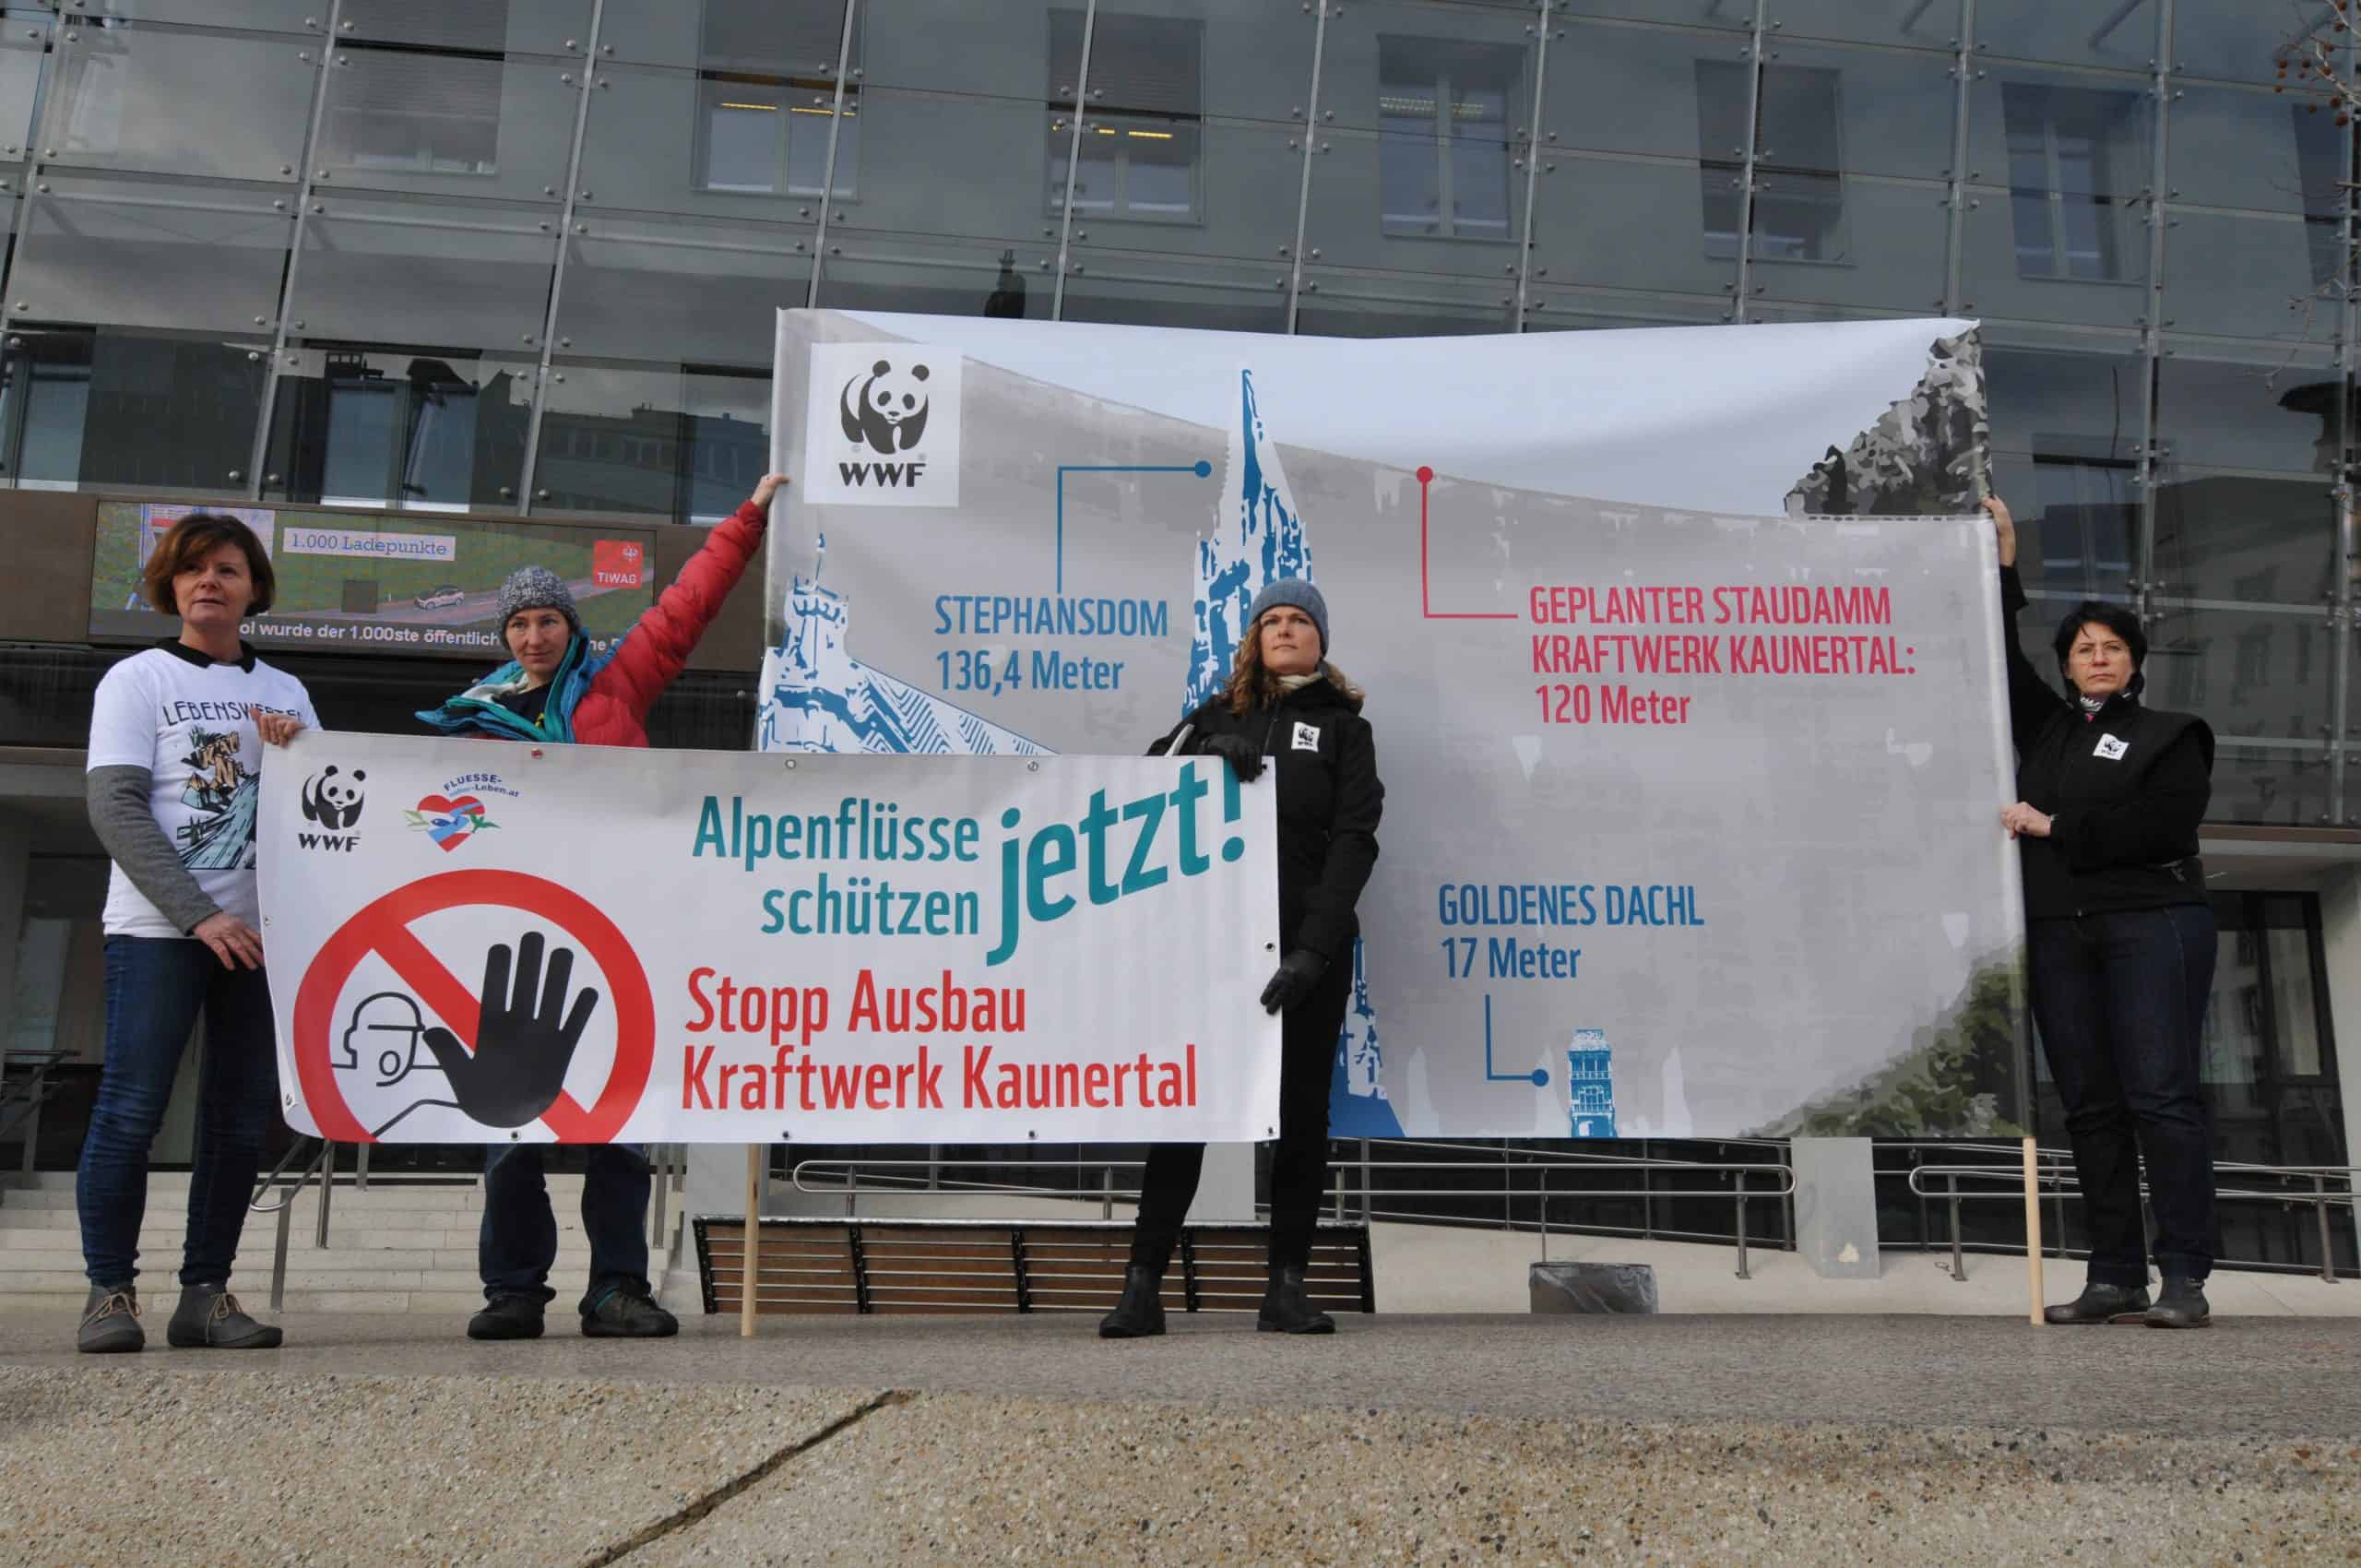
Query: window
[[765, 112], [399, 107], [1799, 182], [1142, 139], [422, 429], [2089, 523], [2069, 149], [2320, 164], [1443, 159]]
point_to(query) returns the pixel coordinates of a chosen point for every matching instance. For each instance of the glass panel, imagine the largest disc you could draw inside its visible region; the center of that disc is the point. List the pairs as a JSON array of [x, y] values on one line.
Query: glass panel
[[930, 163], [2232, 1039], [532, 27], [451, 125], [656, 439], [1385, 65], [262, 15], [903, 272], [2273, 788], [2012, 247], [2078, 527], [1416, 204], [1924, 24], [2293, 997], [2234, 146], [1630, 90], [2238, 40], [2247, 673], [667, 141], [1247, 185], [1738, 14], [2278, 413], [151, 99], [1854, 242], [371, 426], [1857, 110], [21, 48], [2054, 401], [2252, 541], [2117, 33], [697, 293], [2249, 277], [1585, 310], [1631, 225], [390, 271], [93, 250], [1145, 53], [132, 412], [1368, 305], [799, 38], [1153, 289]]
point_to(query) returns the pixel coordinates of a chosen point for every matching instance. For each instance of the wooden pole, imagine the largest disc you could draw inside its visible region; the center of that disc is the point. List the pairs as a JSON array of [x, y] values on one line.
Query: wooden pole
[[752, 1253], [2032, 1230]]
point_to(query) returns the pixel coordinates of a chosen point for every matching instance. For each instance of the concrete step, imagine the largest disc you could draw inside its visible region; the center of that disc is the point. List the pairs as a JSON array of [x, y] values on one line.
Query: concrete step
[[157, 1304], [376, 1200], [305, 1260], [342, 1235], [252, 1278]]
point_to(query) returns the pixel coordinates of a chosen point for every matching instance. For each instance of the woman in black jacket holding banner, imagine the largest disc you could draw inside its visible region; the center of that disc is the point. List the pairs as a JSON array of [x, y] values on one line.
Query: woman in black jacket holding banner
[[1285, 701], [2120, 946]]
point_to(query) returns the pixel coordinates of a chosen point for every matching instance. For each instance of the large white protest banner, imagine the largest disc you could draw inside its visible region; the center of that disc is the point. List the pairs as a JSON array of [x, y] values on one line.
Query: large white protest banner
[[471, 943], [1681, 648]]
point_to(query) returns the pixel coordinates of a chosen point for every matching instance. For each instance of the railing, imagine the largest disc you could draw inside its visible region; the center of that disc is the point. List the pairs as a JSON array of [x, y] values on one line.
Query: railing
[[815, 1177], [2054, 1176]]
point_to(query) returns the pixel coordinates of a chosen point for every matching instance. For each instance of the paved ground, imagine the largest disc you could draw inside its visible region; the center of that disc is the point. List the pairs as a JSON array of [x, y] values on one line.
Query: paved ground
[[1404, 1439]]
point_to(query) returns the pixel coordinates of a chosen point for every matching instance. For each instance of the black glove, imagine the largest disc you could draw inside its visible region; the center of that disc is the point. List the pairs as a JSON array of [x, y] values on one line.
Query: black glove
[[1298, 973], [522, 1050], [1245, 758]]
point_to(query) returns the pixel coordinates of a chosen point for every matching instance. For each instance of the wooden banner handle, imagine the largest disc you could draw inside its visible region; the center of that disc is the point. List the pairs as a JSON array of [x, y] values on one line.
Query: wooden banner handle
[[751, 1268], [2032, 1230]]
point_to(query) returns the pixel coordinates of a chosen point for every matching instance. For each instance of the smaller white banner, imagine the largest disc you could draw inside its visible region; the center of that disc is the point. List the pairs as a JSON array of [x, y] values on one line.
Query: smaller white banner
[[882, 427], [476, 944], [366, 543]]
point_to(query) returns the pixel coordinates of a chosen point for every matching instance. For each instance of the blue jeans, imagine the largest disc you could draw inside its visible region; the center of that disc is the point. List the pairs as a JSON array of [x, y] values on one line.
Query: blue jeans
[[156, 987], [2121, 999], [519, 1240]]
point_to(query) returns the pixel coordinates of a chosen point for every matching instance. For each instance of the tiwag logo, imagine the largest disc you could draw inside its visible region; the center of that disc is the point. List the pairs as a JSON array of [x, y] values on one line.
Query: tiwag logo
[[458, 814], [333, 801], [881, 428]]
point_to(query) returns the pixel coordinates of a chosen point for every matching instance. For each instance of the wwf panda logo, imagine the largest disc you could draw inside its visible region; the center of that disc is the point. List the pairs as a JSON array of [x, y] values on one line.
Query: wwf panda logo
[[885, 409], [333, 802]]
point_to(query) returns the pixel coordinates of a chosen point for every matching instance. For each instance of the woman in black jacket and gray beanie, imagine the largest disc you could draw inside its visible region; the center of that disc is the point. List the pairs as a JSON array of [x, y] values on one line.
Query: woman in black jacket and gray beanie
[[2120, 946], [1285, 701]]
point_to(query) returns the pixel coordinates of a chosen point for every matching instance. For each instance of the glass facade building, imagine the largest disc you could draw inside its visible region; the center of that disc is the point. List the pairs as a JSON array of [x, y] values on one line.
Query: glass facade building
[[521, 256]]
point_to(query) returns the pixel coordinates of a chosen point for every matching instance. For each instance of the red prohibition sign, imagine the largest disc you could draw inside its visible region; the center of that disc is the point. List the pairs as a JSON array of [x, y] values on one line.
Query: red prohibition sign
[[384, 928]]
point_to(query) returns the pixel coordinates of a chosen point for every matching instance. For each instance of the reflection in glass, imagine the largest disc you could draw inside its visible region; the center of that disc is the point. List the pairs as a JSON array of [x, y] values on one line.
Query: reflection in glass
[[2260, 673], [2084, 529], [1799, 210], [770, 138], [1142, 142], [2295, 1006], [1443, 159], [128, 410], [687, 443], [414, 111], [2070, 148], [361, 425], [133, 96]]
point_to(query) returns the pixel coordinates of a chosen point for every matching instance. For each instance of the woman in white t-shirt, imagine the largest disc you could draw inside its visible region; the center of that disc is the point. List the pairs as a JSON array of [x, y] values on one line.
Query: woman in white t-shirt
[[174, 780]]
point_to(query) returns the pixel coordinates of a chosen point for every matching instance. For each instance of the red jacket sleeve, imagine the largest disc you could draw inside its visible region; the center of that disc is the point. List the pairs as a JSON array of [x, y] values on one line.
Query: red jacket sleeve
[[654, 652]]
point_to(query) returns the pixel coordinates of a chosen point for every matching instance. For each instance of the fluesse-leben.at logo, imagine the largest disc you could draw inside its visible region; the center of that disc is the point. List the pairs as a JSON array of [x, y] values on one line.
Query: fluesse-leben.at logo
[[450, 821]]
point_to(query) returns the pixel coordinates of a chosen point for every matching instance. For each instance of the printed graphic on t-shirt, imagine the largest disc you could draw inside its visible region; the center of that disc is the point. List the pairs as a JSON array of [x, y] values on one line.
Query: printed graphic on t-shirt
[[223, 794]]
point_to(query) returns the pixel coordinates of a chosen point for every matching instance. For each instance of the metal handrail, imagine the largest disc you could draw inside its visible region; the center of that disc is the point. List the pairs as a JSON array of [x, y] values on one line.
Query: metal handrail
[[2062, 1184], [323, 1167]]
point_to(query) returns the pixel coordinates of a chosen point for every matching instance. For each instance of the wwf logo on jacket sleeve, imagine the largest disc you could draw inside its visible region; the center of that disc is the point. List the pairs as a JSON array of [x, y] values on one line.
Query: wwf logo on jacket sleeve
[[333, 798], [882, 425]]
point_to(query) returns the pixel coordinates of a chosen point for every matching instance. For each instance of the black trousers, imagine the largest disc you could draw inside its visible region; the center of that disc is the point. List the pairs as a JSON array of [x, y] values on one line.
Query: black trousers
[[1300, 1164], [2121, 999]]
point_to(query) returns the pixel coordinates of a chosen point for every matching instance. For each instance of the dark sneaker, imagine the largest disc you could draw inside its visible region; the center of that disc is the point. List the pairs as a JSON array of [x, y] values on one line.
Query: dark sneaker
[[507, 1317], [1140, 1314], [209, 1318], [1288, 1309], [2180, 1305], [625, 1314], [110, 1321], [2100, 1303]]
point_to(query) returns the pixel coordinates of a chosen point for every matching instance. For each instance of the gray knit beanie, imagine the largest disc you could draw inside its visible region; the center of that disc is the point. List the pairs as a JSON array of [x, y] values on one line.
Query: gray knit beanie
[[536, 588], [1300, 594]]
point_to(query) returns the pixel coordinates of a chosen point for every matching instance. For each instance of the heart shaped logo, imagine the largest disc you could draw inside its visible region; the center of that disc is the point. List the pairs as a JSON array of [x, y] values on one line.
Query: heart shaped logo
[[450, 821]]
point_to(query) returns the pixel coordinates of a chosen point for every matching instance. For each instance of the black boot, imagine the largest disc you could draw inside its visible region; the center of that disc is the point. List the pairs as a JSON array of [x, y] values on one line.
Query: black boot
[[1140, 1314], [2180, 1305], [1288, 1309], [2100, 1303]]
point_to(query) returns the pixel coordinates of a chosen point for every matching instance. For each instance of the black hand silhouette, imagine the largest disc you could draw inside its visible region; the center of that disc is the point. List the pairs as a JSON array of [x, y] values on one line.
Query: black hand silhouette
[[522, 1051]]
